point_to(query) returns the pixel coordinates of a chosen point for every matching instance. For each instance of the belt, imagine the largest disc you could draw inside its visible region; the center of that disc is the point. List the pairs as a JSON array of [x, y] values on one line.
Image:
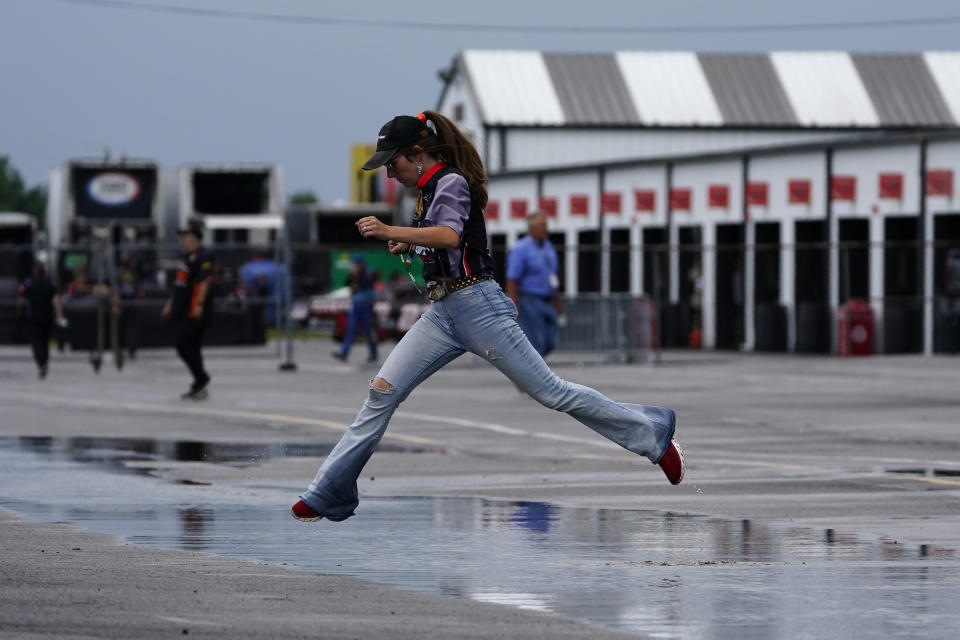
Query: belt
[[439, 289]]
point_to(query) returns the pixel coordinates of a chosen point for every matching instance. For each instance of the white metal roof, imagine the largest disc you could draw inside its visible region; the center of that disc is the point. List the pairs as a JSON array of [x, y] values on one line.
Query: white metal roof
[[513, 87], [669, 87], [791, 89], [945, 68], [825, 89]]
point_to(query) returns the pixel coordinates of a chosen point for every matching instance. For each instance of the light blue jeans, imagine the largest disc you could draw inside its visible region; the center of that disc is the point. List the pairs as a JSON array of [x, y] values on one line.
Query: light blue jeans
[[480, 319]]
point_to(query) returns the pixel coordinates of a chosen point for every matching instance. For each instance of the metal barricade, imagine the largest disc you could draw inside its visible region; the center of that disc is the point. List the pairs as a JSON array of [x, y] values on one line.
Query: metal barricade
[[618, 327]]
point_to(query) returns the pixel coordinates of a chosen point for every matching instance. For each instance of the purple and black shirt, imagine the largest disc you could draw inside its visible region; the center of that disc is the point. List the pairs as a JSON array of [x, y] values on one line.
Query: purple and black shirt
[[445, 201]]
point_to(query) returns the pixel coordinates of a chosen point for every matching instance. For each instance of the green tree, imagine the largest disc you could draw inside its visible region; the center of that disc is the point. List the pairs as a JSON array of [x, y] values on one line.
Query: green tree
[[303, 197], [16, 196]]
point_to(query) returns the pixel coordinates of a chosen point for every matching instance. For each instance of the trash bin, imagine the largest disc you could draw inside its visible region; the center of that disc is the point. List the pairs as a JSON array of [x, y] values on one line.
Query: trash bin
[[855, 328]]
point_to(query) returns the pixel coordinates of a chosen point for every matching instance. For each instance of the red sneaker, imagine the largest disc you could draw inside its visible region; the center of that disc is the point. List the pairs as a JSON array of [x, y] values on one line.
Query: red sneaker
[[672, 463], [302, 512]]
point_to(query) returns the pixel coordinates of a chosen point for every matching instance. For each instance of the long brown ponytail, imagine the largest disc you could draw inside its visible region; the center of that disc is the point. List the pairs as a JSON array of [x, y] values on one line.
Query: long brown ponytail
[[453, 147]]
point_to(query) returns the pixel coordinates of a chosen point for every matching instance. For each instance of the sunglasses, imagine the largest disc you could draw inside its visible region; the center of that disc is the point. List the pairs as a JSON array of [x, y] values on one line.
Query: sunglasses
[[391, 164]]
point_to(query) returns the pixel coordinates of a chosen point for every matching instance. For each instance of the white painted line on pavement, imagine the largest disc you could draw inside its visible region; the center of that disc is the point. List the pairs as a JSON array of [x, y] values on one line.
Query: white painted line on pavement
[[499, 428]]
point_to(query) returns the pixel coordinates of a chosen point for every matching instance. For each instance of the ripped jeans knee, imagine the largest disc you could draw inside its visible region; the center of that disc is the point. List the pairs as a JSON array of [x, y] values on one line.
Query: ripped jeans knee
[[381, 385], [381, 396]]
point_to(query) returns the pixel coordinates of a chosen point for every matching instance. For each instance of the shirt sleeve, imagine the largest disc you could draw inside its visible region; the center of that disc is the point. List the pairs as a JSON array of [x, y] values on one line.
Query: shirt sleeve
[[204, 266], [515, 261], [451, 203]]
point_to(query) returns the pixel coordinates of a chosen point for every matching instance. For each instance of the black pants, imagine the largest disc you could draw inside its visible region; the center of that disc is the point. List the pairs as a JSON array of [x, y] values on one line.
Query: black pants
[[40, 341], [189, 337]]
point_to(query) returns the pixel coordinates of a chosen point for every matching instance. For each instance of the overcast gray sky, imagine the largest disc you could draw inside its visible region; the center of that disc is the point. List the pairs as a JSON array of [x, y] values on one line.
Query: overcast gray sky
[[80, 76]]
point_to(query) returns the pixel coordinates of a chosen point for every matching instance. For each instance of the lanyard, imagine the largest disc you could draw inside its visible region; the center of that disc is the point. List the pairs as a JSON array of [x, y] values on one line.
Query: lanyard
[[407, 258]]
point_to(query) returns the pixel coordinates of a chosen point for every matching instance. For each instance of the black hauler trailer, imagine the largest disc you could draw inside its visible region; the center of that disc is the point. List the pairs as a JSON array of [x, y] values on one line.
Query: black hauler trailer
[[18, 243], [115, 250]]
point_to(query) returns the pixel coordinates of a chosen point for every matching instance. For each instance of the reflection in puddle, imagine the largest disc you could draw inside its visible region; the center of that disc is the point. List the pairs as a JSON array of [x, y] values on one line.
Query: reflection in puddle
[[666, 575], [194, 524], [117, 451], [519, 600], [927, 472]]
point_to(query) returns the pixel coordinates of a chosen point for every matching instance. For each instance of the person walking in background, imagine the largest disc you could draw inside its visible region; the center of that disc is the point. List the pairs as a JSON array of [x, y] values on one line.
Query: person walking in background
[[39, 301], [191, 307], [469, 312], [533, 284], [361, 281]]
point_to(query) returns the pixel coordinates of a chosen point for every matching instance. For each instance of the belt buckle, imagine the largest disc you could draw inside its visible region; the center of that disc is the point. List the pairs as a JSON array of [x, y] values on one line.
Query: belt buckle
[[436, 290]]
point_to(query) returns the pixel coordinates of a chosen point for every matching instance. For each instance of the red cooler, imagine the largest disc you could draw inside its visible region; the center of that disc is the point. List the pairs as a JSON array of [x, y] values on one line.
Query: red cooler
[[855, 328]]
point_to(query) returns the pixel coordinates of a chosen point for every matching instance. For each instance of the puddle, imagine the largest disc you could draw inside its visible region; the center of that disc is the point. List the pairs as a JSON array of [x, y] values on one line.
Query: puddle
[[666, 575]]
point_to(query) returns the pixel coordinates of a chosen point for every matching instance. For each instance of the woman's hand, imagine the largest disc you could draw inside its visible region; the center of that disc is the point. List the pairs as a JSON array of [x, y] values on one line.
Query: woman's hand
[[371, 227], [397, 248], [439, 237]]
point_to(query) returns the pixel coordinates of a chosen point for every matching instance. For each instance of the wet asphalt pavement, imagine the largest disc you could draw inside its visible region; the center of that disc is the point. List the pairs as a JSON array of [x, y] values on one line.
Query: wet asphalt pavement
[[821, 497]]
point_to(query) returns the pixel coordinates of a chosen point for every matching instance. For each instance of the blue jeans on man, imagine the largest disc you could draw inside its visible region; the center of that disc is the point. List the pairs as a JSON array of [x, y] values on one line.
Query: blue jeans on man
[[538, 318], [360, 319]]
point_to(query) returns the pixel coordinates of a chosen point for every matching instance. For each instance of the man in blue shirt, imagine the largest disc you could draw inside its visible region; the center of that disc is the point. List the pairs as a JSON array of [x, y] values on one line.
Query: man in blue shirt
[[533, 284]]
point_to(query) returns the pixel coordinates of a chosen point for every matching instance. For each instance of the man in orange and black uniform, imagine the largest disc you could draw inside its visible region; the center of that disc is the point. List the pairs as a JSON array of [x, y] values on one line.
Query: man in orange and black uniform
[[191, 306]]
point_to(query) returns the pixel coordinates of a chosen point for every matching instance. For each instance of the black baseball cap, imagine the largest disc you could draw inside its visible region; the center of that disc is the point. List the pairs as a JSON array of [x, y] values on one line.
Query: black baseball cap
[[400, 132]]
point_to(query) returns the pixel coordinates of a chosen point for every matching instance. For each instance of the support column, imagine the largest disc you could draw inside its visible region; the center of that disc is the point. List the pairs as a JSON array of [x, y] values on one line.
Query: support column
[[604, 261], [833, 274], [708, 262], [749, 290], [749, 261], [673, 257], [928, 237], [603, 233], [570, 284], [833, 257], [673, 238], [788, 264], [636, 260], [877, 280]]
